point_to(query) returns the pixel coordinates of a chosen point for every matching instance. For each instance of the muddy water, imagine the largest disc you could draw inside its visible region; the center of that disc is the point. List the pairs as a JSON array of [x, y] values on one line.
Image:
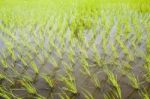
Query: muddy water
[[83, 81]]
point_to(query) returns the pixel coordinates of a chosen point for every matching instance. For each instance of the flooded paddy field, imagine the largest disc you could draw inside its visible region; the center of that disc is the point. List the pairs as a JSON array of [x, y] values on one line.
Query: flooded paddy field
[[74, 50]]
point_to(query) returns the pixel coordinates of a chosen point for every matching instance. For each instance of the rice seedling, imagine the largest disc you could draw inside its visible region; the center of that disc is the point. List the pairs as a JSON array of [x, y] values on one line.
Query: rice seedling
[[49, 80], [4, 77], [32, 49], [104, 44], [85, 67], [131, 57], [40, 97], [68, 68], [54, 63], [96, 81], [11, 51], [59, 53], [114, 50], [122, 45], [134, 81], [96, 56], [113, 80], [83, 52], [29, 56], [71, 55], [4, 94], [28, 86], [70, 83], [23, 60], [126, 67], [34, 67], [87, 94], [109, 96], [5, 30], [64, 96], [4, 63], [27, 78], [147, 68], [1, 76]]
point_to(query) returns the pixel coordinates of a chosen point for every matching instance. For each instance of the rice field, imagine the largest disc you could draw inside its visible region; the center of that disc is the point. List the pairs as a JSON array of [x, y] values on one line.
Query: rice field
[[74, 49]]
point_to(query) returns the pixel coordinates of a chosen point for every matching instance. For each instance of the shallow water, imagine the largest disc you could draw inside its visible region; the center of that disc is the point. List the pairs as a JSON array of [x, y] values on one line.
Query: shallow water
[[83, 81]]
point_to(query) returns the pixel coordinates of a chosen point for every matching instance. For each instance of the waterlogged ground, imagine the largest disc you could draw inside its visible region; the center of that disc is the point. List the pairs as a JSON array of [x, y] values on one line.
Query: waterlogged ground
[[114, 48]]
